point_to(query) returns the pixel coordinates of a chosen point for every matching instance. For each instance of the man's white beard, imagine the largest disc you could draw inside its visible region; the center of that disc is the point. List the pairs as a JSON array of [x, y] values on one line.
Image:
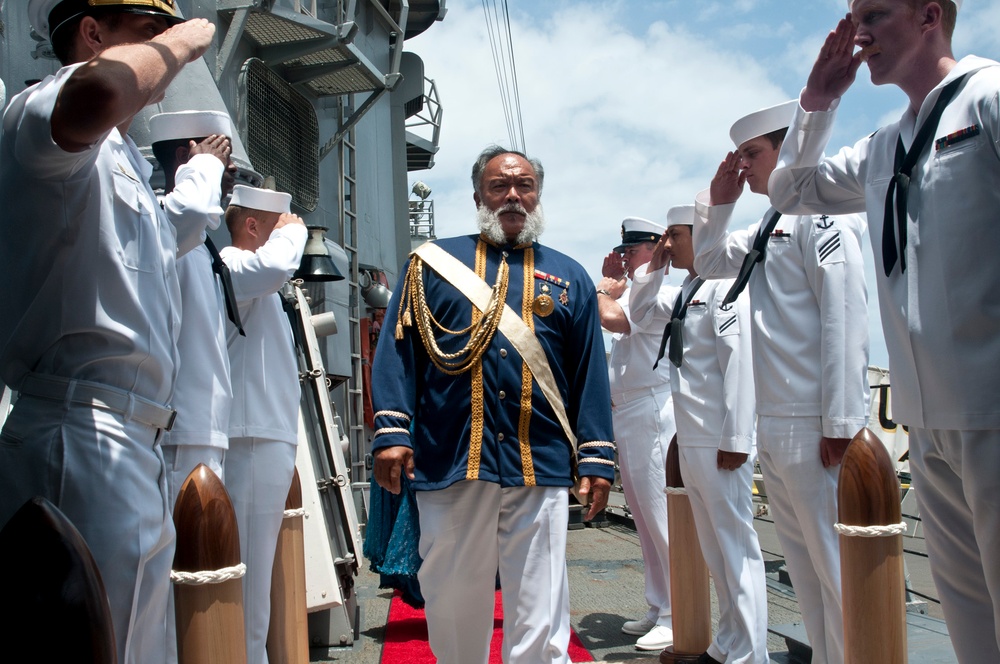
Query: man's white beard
[[491, 228]]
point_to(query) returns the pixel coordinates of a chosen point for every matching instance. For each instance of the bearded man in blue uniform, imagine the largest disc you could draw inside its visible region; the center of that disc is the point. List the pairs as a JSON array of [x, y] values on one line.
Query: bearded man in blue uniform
[[508, 401]]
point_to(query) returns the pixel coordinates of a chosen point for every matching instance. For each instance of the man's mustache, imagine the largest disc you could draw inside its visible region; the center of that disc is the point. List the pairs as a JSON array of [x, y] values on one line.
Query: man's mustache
[[512, 207]]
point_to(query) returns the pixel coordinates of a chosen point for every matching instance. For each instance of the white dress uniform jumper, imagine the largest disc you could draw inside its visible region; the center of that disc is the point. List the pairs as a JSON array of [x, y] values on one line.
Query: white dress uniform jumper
[[809, 331], [263, 429], [941, 326], [89, 317], [713, 393]]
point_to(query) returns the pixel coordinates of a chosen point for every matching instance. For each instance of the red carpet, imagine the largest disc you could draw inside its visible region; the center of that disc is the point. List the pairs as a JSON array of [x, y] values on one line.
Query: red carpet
[[406, 637]]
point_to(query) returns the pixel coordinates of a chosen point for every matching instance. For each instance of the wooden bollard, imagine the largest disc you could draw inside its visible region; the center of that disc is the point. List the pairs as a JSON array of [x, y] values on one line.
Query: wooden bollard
[[288, 631], [51, 589], [689, 589], [209, 615], [872, 575]]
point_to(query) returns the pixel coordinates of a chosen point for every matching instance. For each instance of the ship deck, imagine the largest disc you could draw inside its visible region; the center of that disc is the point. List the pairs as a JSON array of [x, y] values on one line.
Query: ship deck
[[606, 589]]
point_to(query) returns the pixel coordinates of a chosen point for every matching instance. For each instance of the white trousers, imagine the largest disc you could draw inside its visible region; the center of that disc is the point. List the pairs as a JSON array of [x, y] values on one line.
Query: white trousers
[[180, 461], [108, 477], [802, 495], [468, 532], [722, 505], [643, 428], [258, 475], [957, 478]]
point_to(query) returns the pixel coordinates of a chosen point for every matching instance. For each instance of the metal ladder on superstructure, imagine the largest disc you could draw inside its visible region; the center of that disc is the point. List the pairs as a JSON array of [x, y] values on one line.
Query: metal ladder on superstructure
[[355, 417]]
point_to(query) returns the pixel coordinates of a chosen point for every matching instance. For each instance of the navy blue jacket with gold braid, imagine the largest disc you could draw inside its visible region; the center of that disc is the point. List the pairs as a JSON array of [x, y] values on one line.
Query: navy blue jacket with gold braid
[[493, 423]]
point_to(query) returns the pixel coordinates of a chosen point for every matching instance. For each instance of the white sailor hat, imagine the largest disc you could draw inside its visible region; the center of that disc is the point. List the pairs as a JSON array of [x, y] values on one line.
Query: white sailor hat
[[188, 124], [763, 122], [47, 15], [680, 215], [636, 230], [265, 200]]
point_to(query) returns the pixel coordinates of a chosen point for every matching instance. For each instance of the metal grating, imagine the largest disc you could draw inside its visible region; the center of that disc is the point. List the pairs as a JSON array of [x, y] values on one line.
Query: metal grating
[[282, 135], [268, 30], [325, 57], [355, 78], [265, 29]]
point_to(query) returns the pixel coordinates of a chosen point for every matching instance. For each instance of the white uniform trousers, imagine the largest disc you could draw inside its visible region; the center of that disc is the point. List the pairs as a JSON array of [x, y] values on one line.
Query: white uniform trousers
[[108, 477], [468, 532], [956, 475], [802, 495], [644, 425], [722, 505], [180, 461], [258, 475]]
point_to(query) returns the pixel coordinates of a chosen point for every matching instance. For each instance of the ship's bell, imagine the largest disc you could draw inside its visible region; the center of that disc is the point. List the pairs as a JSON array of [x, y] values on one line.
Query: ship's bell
[[316, 263]]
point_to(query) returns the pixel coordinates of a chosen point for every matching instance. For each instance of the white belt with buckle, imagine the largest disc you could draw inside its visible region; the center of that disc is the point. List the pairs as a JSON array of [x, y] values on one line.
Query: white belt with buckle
[[87, 393]]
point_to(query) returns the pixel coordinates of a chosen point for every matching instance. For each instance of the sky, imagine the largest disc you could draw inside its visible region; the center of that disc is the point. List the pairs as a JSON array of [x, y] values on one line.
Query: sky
[[628, 104]]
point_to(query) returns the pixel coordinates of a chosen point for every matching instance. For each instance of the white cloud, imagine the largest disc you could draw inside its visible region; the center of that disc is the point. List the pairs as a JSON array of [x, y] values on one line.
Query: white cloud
[[628, 103], [624, 123]]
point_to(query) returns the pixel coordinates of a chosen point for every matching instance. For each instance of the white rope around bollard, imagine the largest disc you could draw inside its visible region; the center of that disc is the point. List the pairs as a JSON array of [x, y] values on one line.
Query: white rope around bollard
[[208, 577], [675, 491], [871, 531], [291, 514]]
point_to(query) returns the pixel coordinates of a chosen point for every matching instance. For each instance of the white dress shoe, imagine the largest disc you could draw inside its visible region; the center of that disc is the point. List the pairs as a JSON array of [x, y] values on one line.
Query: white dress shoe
[[638, 627], [657, 638]]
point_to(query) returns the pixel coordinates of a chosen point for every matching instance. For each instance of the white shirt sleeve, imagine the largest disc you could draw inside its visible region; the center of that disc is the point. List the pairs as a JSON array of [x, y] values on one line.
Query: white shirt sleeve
[[650, 300], [718, 253], [838, 281], [194, 202], [736, 366], [34, 148], [262, 272], [804, 182]]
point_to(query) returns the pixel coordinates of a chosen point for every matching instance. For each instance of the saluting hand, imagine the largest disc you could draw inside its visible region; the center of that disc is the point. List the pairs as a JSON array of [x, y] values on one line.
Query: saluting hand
[[216, 145], [727, 185], [287, 219], [834, 70], [613, 267], [661, 254], [193, 36]]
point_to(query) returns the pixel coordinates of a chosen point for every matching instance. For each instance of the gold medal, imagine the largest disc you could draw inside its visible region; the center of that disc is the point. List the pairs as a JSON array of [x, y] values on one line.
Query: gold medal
[[543, 305]]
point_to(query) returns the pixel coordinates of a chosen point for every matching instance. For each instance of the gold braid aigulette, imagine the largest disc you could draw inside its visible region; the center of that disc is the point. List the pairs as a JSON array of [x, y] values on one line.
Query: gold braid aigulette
[[413, 309]]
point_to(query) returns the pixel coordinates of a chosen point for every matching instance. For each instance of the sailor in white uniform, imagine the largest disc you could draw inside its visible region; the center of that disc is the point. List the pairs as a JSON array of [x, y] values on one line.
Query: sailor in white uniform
[[809, 328], [193, 148], [183, 142], [90, 310], [268, 241], [937, 280], [643, 414], [709, 355]]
